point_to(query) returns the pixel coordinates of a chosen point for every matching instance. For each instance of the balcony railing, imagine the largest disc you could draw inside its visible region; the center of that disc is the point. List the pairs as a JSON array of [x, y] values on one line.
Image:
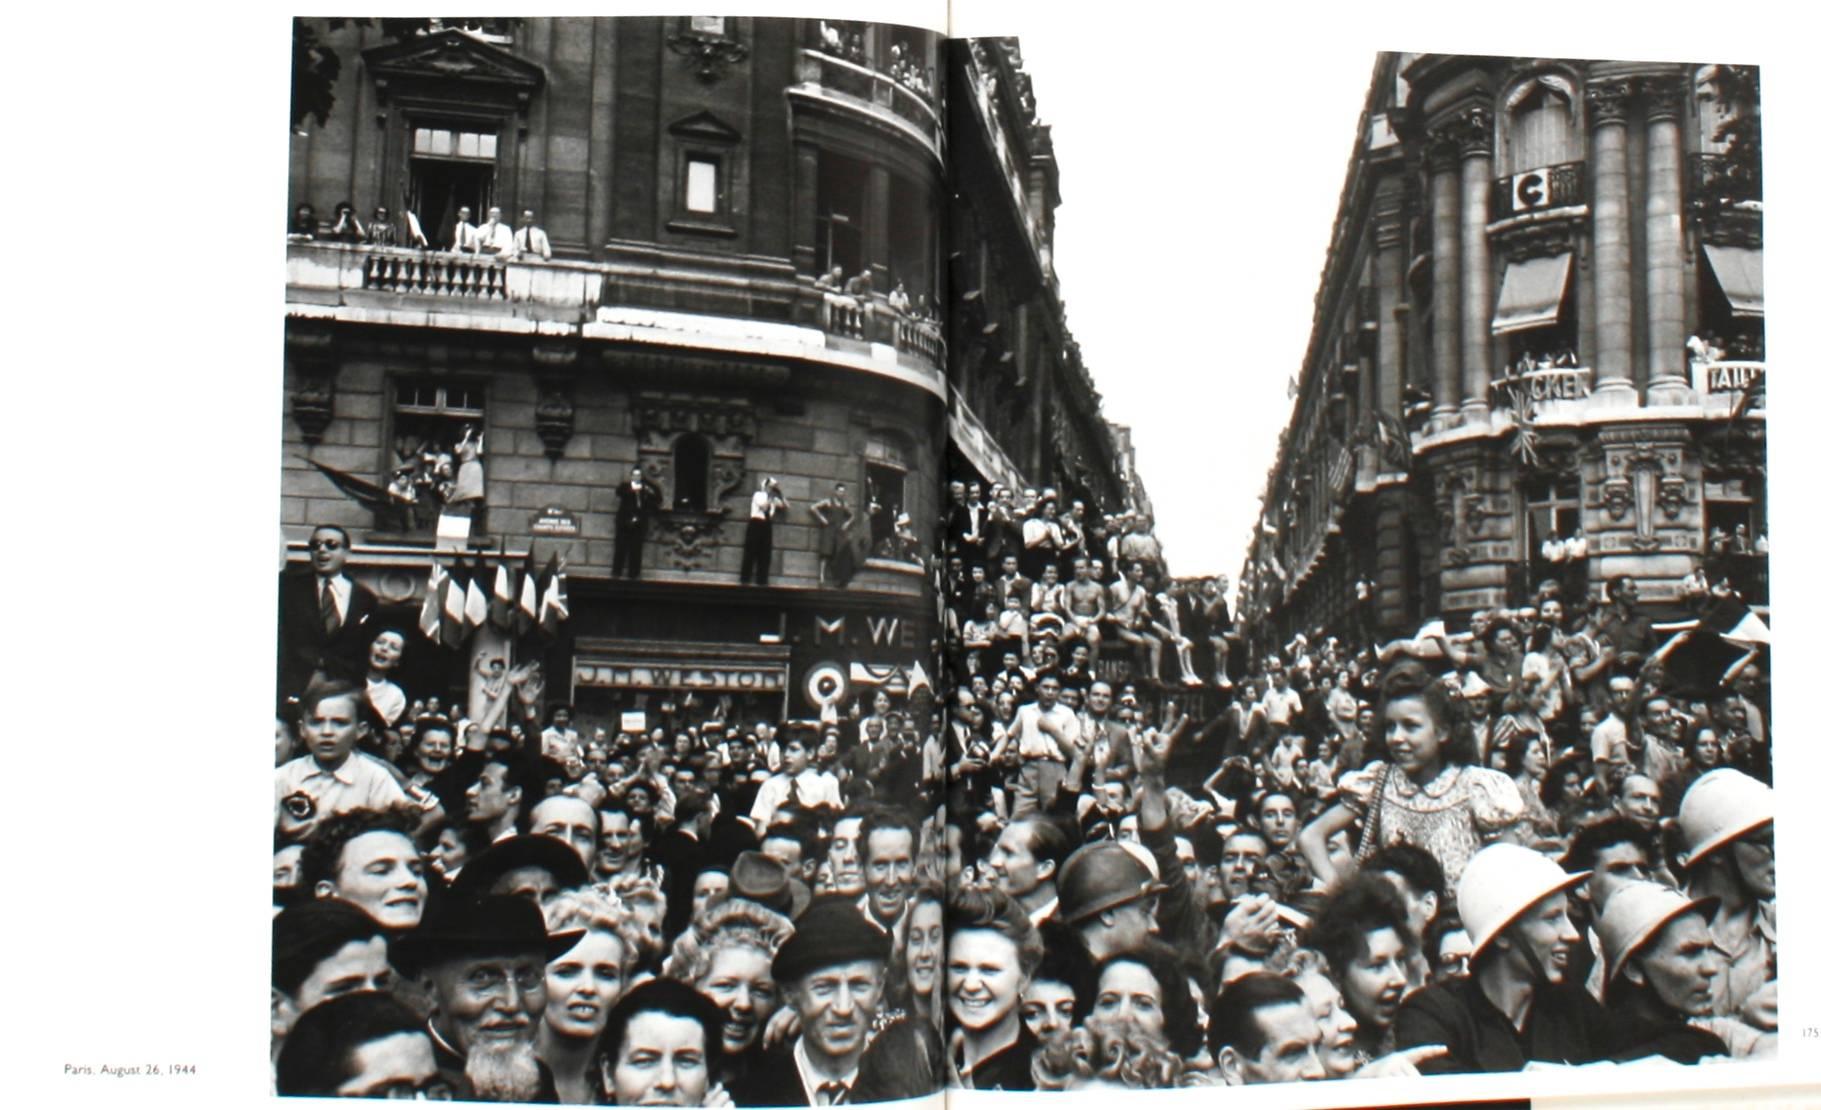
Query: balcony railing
[[1722, 179], [437, 273], [1724, 386], [1540, 190], [571, 291], [862, 82]]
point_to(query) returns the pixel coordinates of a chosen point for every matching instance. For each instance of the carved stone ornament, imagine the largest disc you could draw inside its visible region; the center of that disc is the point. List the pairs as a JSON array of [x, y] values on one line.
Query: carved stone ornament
[[729, 424], [555, 415], [1610, 101], [1471, 131], [1615, 498], [708, 55], [1664, 97], [453, 56], [690, 538], [313, 403]]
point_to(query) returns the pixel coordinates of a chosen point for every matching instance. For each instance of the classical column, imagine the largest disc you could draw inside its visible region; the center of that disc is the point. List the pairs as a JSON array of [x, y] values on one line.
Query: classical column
[[1474, 131], [876, 229], [1663, 241], [1445, 237], [1388, 285], [1611, 109], [803, 214]]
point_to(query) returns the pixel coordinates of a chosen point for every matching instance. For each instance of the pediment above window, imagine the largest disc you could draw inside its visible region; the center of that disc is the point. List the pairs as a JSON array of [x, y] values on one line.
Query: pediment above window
[[704, 127], [454, 65]]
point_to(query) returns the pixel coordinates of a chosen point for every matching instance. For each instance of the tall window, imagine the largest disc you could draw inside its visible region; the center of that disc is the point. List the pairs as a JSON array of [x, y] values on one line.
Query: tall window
[[1552, 511], [1540, 127], [886, 468], [451, 168], [431, 418], [690, 466], [840, 210]]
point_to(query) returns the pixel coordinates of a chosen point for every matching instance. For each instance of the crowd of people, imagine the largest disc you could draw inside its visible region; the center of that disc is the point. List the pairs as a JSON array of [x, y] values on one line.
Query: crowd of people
[[1523, 843]]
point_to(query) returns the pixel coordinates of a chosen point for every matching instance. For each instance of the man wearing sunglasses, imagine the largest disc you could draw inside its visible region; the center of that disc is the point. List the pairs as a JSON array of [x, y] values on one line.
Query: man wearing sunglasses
[[325, 620]]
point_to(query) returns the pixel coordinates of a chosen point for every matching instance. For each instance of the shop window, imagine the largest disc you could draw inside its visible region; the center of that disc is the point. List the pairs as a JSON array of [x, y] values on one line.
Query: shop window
[[690, 465]]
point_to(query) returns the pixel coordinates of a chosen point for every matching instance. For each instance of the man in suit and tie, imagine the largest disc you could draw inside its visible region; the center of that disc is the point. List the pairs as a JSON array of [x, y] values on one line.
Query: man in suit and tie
[[832, 972], [638, 504], [466, 238], [530, 239], [325, 621], [495, 236]]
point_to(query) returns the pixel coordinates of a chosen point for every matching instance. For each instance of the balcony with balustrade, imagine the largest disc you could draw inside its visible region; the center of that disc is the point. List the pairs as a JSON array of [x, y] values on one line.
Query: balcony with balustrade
[[846, 76], [743, 305]]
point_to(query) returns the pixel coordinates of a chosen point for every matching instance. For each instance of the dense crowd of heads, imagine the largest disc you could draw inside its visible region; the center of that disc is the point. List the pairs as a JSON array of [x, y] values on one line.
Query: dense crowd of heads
[[1116, 853]]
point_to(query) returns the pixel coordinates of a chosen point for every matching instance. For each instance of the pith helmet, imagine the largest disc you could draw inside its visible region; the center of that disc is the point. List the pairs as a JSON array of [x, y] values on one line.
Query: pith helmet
[[1635, 914], [1720, 807], [1501, 883]]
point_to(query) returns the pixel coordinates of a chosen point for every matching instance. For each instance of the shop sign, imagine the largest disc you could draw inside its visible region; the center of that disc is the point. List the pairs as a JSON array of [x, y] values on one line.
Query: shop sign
[[679, 676]]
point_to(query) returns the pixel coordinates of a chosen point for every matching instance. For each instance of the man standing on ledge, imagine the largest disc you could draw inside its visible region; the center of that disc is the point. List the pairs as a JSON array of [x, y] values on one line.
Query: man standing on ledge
[[755, 561], [639, 501]]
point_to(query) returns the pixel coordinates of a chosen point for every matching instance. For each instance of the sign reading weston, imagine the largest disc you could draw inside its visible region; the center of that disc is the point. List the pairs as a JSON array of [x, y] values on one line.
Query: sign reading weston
[[647, 675]]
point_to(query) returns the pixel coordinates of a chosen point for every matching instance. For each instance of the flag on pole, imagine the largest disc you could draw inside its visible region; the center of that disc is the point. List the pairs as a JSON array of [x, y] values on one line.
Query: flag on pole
[[919, 677], [524, 618], [454, 627], [505, 599], [474, 605], [554, 609], [430, 616]]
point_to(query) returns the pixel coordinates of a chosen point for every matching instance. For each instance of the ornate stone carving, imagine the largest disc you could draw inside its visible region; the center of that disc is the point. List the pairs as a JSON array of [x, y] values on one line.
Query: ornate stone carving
[[313, 402], [1610, 101], [690, 538], [1664, 97], [1471, 131], [1440, 154], [729, 424], [708, 55], [555, 415], [1644, 472], [310, 358]]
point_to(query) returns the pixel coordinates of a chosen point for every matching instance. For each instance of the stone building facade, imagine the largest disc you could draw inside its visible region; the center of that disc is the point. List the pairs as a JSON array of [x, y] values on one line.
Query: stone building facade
[[1541, 323]]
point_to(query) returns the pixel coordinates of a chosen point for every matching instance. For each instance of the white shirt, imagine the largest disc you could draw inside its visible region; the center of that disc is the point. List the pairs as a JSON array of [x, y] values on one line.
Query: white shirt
[[387, 700], [762, 505], [495, 237], [314, 793], [341, 589], [815, 788], [531, 240], [1033, 742]]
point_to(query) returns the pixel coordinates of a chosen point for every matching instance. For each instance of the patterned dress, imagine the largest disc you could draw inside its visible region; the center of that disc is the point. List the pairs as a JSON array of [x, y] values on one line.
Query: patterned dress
[[1458, 812]]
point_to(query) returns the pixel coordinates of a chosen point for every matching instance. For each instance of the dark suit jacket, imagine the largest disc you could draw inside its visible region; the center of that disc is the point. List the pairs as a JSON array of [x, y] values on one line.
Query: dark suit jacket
[[304, 647], [767, 1078], [636, 508]]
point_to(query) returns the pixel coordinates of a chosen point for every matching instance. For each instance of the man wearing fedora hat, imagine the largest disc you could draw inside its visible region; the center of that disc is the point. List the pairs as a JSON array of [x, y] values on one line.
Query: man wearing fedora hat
[[480, 963], [532, 866], [1727, 822], [1516, 1004], [832, 972], [1108, 897], [1661, 973]]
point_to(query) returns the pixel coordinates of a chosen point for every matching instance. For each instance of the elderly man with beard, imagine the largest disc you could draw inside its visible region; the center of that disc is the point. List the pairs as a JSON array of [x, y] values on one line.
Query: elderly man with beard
[[832, 972], [1662, 975], [1516, 1004], [480, 963]]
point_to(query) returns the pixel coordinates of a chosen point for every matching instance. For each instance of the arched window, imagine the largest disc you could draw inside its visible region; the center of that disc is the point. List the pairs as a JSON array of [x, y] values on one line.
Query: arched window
[[690, 466], [1539, 124]]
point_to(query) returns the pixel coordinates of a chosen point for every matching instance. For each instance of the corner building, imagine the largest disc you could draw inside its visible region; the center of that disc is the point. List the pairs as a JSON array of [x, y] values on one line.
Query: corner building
[[1527, 253], [695, 177]]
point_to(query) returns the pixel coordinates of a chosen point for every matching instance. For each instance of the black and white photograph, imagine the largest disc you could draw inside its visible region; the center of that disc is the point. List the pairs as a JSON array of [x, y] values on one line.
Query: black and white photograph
[[968, 552]]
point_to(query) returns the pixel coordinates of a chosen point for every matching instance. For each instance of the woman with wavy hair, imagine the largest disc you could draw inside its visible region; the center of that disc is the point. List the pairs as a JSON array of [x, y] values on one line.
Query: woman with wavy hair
[[1429, 792], [1107, 1053], [727, 956], [582, 985]]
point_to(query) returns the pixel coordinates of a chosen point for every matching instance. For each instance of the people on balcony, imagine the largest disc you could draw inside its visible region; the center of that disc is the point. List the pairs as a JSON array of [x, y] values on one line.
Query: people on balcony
[[382, 232], [303, 222], [347, 226], [465, 238], [495, 237], [530, 239]]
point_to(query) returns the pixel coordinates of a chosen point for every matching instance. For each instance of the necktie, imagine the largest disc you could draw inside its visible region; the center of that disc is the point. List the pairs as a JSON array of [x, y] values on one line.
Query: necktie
[[831, 1094], [795, 801], [331, 616]]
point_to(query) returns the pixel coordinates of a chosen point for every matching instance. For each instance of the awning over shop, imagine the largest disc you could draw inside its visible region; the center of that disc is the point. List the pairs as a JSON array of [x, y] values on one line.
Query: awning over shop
[[1532, 294], [1741, 274]]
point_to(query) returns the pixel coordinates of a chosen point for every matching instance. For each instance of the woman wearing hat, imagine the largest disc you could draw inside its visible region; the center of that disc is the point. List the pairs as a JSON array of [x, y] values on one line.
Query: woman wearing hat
[[1661, 972], [1429, 792]]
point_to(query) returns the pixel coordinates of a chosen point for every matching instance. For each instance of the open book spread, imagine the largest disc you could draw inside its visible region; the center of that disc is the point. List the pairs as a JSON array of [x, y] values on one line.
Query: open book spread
[[726, 655]]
